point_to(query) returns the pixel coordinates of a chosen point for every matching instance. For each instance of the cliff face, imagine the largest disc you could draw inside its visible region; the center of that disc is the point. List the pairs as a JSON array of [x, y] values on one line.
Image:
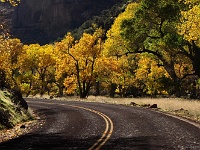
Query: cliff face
[[5, 18], [45, 20]]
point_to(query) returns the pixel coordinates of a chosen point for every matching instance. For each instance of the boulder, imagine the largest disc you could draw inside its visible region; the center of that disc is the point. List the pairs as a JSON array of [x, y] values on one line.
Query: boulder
[[154, 106], [18, 99], [133, 104], [4, 118]]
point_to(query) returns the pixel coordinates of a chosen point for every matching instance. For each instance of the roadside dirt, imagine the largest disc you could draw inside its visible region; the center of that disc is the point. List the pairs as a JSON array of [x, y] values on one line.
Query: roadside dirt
[[21, 129]]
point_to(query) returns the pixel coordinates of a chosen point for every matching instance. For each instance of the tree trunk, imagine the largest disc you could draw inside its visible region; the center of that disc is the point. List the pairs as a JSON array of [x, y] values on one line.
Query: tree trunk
[[60, 91], [97, 88], [113, 87], [84, 91], [196, 59], [176, 85], [3, 83]]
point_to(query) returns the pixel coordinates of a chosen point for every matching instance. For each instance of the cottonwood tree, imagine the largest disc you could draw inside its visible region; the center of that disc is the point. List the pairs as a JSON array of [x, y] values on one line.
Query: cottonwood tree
[[81, 58], [136, 71], [115, 47], [37, 68], [64, 66], [190, 29], [151, 78], [10, 49], [107, 73], [153, 30]]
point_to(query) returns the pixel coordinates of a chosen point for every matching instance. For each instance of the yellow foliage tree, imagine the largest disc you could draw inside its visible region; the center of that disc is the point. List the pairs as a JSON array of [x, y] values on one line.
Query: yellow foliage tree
[[37, 68], [189, 26], [80, 60], [115, 45], [64, 65], [106, 72], [10, 49], [149, 76]]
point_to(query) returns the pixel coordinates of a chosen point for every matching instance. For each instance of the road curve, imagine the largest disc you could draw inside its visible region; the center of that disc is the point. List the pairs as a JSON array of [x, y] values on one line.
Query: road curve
[[79, 125]]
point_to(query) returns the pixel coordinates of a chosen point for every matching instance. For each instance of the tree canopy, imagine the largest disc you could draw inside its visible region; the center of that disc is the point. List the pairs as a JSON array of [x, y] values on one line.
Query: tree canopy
[[152, 48], [155, 29]]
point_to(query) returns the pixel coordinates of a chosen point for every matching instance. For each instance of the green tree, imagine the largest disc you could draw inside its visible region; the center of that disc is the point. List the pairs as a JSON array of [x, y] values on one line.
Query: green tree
[[153, 30]]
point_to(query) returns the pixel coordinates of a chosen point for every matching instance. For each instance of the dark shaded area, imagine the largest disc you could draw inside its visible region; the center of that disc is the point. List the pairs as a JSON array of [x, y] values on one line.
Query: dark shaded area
[[4, 117], [138, 143], [3, 83], [44, 21], [60, 142], [17, 98], [48, 141]]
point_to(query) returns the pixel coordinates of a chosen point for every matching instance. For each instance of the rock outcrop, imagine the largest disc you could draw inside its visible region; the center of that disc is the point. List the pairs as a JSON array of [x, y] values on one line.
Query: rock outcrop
[[6, 11], [45, 20]]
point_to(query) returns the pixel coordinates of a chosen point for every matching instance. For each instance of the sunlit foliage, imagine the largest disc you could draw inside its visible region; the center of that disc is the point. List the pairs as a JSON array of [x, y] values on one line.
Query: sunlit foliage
[[153, 30], [36, 68], [152, 48], [10, 49], [150, 76], [80, 61], [12, 2], [189, 26], [115, 45]]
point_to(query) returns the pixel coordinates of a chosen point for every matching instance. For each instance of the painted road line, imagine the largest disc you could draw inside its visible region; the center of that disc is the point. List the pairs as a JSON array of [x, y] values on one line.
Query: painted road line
[[107, 132]]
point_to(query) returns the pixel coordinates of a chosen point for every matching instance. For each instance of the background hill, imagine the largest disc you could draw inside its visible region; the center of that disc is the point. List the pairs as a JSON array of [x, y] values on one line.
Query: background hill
[[43, 21]]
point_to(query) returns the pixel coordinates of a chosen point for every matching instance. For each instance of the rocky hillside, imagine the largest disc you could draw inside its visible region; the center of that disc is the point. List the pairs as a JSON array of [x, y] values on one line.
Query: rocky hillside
[[13, 109], [45, 20]]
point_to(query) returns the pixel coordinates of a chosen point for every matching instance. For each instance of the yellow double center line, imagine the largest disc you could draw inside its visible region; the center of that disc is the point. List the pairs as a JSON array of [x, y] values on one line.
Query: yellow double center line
[[107, 132]]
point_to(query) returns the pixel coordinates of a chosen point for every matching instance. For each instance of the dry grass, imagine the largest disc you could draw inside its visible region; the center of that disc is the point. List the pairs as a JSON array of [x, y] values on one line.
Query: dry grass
[[181, 107]]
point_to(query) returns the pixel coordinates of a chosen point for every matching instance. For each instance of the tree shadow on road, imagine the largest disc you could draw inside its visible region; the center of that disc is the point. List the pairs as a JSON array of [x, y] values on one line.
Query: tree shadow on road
[[138, 143], [59, 142]]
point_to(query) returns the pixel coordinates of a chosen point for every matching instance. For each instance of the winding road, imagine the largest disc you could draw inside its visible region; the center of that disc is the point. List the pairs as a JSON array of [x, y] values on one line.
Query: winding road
[[93, 126]]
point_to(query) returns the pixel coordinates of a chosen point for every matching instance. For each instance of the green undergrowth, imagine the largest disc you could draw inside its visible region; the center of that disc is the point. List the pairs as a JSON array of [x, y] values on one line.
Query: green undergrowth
[[10, 113]]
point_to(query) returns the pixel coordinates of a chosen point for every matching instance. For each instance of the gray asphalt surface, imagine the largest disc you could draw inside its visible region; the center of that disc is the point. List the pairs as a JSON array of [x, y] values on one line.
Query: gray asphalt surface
[[70, 128]]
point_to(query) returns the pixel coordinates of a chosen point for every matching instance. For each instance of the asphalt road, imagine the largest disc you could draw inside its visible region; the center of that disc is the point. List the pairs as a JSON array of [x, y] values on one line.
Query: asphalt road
[[79, 125]]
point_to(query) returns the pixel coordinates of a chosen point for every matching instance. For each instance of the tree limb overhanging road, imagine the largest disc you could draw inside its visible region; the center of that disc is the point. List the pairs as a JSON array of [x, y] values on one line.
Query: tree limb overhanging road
[[80, 125]]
